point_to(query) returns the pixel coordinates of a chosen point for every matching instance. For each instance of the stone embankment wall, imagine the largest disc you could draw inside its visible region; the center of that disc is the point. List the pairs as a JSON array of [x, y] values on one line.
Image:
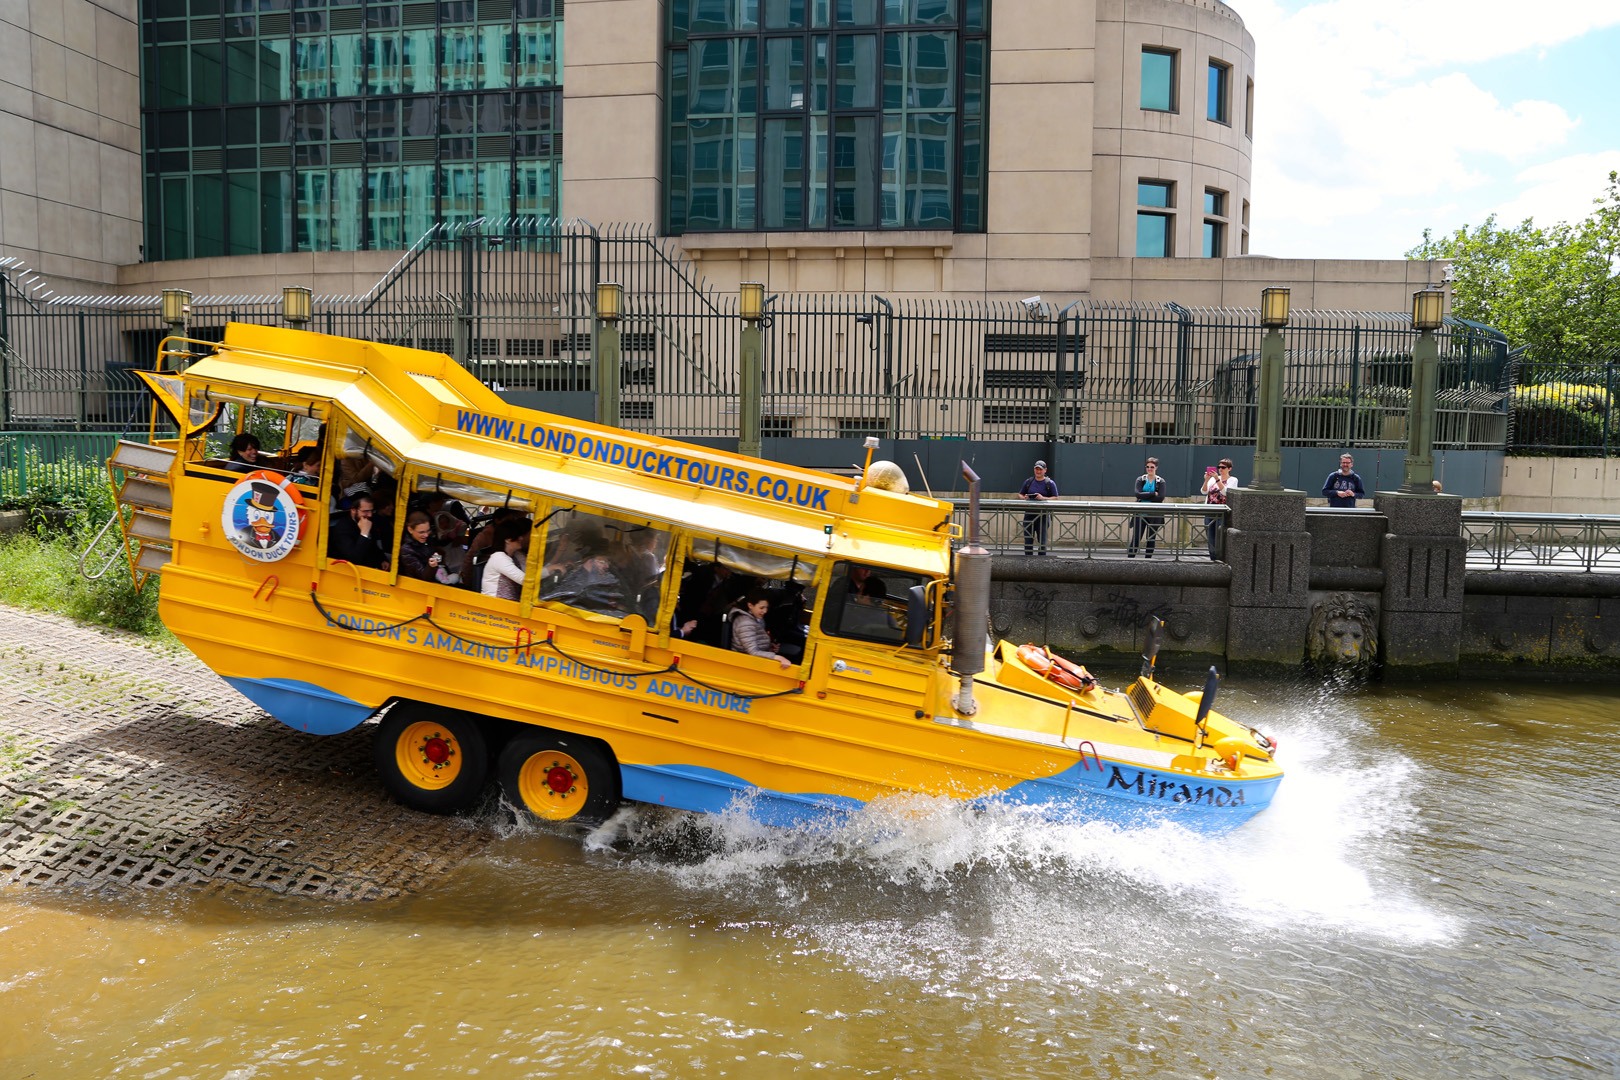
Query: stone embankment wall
[[1398, 571]]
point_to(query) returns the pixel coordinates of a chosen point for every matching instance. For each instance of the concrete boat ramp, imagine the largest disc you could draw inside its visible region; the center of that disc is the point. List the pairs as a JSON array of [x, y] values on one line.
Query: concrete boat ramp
[[130, 767]]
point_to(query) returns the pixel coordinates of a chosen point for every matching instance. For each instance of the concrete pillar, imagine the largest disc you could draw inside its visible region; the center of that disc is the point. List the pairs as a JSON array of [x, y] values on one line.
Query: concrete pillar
[[1269, 551], [1424, 555]]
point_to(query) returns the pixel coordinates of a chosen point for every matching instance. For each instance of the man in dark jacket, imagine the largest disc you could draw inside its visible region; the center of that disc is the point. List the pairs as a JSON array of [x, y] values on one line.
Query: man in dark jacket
[[1341, 488], [1037, 488], [357, 537]]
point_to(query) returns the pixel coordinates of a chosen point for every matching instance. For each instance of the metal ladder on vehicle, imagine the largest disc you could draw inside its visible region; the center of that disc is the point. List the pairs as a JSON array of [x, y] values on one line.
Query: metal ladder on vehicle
[[139, 476]]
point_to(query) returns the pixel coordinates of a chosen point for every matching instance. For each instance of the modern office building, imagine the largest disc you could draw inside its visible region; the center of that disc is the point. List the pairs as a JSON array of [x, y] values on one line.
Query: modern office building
[[966, 148]]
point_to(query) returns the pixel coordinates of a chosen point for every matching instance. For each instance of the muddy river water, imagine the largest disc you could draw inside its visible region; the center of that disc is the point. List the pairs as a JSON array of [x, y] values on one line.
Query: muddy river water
[[1433, 894]]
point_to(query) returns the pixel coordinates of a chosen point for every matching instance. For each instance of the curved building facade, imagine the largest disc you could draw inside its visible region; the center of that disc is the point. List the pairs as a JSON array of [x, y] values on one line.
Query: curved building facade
[[1174, 130], [952, 148]]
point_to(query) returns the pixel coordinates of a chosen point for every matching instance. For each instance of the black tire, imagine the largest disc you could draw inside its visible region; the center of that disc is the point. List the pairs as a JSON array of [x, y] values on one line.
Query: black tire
[[557, 777], [433, 760]]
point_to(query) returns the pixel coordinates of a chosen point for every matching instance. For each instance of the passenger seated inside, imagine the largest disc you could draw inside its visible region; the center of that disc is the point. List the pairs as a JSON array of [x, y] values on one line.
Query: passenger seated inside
[[356, 537], [308, 470], [417, 559], [450, 538], [503, 570], [788, 619], [579, 573], [748, 632], [244, 453], [708, 592], [859, 605], [482, 544], [354, 476]]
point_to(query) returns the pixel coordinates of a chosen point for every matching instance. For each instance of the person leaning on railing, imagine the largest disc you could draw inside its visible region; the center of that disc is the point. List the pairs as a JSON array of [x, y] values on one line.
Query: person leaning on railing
[[1218, 480], [1149, 489], [1038, 488]]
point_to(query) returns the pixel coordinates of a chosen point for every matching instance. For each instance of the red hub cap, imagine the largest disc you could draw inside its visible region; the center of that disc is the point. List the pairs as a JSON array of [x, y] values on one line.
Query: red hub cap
[[436, 750], [559, 779]]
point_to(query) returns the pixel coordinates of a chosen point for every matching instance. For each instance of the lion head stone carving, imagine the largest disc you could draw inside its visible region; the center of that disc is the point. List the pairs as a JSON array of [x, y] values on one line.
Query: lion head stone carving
[[1343, 631]]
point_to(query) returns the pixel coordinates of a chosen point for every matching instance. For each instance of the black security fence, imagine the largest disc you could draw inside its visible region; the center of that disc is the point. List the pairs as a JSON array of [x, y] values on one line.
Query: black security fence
[[1563, 403], [514, 301]]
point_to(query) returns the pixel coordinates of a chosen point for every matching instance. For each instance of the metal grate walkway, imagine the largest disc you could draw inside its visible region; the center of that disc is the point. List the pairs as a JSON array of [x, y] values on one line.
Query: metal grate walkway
[[124, 767]]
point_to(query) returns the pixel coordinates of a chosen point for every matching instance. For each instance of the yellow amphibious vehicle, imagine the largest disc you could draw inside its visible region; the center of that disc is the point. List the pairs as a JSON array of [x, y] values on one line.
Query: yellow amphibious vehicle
[[348, 531]]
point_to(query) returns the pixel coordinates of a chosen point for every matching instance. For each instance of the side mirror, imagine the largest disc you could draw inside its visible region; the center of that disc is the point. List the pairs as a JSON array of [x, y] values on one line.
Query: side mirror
[[916, 615]]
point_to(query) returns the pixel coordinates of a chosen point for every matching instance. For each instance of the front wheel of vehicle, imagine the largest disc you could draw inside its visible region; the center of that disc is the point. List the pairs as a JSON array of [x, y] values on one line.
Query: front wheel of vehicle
[[559, 777], [432, 760]]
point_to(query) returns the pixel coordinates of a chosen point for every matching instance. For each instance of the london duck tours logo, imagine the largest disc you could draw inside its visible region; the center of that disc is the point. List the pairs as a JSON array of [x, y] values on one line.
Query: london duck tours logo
[[263, 517]]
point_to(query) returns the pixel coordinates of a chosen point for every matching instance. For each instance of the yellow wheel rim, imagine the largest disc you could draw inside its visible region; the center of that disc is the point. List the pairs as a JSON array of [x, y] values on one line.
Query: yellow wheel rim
[[553, 785], [428, 756]]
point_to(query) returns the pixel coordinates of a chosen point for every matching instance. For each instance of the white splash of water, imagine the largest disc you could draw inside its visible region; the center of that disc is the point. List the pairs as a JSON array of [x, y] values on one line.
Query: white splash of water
[[1325, 856]]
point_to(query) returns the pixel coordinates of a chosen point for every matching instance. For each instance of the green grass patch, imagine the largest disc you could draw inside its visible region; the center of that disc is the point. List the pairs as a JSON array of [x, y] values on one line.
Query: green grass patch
[[41, 571]]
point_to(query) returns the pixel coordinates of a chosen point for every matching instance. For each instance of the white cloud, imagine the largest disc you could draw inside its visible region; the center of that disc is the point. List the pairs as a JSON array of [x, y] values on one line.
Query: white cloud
[[1367, 131], [1561, 190]]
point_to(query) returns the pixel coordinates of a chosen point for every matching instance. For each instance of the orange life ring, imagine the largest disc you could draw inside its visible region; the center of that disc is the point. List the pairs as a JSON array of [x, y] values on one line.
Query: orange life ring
[[285, 483], [1054, 668]]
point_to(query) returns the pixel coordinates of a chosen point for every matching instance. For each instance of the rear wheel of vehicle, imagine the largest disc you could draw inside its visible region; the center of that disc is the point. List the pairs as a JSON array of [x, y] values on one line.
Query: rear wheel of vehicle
[[432, 760], [559, 777]]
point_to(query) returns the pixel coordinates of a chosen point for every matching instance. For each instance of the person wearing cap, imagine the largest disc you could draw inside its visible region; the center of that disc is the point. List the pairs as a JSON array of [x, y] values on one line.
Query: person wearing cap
[[1037, 488]]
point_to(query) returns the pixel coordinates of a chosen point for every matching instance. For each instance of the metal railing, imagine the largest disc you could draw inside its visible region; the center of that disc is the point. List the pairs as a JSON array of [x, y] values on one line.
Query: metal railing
[[49, 465], [1565, 405], [1077, 529], [1569, 542], [512, 300]]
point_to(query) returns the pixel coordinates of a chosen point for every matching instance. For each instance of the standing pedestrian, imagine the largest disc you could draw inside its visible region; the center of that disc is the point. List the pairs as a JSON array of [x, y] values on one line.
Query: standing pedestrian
[[1038, 488], [1149, 489], [1218, 480], [1341, 488]]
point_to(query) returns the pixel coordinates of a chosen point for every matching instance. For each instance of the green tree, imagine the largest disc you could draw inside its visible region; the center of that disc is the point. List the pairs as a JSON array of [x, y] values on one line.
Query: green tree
[[1556, 289]]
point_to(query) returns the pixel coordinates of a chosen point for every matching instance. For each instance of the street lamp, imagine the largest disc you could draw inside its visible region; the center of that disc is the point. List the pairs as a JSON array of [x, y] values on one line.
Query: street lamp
[[1428, 306], [1274, 308], [751, 301], [176, 308], [1273, 356], [609, 306], [751, 308], [296, 305], [609, 298]]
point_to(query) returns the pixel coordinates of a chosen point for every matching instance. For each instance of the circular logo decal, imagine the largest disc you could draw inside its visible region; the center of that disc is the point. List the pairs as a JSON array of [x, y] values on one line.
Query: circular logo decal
[[261, 518]]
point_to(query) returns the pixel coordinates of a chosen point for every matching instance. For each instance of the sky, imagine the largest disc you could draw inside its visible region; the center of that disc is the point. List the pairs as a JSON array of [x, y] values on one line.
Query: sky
[[1376, 119]]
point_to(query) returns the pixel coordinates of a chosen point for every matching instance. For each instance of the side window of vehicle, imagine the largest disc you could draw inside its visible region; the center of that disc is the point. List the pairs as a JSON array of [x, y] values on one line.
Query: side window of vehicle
[[363, 493], [455, 526], [604, 565], [868, 602], [717, 575]]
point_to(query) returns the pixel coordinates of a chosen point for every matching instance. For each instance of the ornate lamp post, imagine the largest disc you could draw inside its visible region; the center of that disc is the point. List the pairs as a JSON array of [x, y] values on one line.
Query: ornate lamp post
[[1427, 317], [1268, 437], [751, 309], [609, 298]]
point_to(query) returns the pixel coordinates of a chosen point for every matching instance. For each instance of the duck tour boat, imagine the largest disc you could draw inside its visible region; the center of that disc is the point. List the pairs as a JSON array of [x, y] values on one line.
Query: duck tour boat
[[351, 532]]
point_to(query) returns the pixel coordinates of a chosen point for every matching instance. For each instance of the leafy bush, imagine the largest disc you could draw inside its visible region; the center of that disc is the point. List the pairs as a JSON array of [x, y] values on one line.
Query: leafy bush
[[68, 501], [1562, 418], [42, 572]]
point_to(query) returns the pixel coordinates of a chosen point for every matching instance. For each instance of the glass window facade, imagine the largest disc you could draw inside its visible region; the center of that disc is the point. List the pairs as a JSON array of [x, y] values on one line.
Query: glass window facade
[[1214, 246], [1220, 92], [1155, 227], [302, 125], [826, 114], [1159, 80]]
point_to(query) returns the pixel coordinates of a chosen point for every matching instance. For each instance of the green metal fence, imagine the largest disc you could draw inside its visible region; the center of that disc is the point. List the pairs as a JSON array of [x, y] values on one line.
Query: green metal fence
[[513, 301], [50, 465], [1564, 404]]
